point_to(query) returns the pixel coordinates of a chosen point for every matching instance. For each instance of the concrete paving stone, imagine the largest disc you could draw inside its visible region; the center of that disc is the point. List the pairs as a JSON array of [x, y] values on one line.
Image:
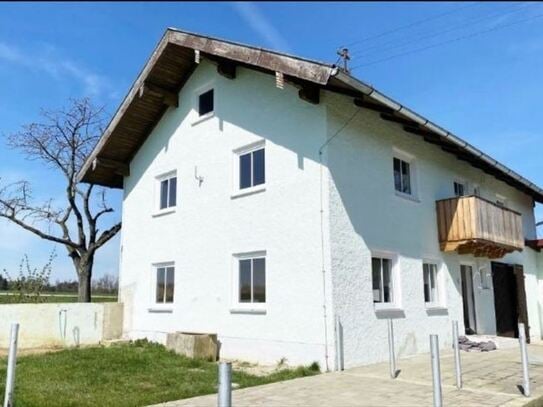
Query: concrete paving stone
[[490, 379]]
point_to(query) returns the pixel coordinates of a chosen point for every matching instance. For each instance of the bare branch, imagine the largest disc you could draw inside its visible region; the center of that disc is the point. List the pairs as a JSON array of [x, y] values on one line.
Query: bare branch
[[62, 141], [38, 232], [107, 235]]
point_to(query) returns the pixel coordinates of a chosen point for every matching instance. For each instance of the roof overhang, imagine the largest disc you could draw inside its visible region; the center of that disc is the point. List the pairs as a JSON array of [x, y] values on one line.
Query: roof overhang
[[175, 58]]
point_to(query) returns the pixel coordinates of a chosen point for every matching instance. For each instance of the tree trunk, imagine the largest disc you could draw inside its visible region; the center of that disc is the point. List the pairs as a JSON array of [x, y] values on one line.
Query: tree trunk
[[84, 273]]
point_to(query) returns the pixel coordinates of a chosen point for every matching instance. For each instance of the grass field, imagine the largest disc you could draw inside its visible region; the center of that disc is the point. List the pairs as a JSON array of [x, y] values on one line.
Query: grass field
[[137, 374], [11, 298]]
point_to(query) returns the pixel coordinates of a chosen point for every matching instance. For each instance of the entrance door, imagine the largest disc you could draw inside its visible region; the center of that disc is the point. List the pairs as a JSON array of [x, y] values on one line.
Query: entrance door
[[468, 299], [509, 299]]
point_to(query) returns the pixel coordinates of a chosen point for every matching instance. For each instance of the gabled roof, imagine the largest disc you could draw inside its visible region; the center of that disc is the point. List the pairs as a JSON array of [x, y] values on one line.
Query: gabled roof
[[175, 58]]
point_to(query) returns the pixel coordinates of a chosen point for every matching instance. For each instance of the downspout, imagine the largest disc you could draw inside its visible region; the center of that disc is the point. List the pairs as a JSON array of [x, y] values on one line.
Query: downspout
[[322, 226]]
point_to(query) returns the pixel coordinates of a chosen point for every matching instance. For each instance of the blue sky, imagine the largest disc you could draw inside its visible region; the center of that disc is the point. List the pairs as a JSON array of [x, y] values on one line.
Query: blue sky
[[474, 68]]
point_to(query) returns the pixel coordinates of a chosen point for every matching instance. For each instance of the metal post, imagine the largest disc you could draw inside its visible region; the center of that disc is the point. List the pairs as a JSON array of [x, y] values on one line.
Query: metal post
[[524, 359], [436, 374], [12, 361], [339, 345], [391, 353], [456, 347], [225, 384]]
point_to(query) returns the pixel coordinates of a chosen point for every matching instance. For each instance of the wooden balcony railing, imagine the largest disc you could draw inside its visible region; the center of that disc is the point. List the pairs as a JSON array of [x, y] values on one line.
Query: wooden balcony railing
[[473, 225]]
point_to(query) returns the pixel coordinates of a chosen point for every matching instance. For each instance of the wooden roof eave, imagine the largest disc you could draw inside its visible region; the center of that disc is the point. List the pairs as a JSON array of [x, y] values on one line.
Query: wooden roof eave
[[258, 58], [297, 70]]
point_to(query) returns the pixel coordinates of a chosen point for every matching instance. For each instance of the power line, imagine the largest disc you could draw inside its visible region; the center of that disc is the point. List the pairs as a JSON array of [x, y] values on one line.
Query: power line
[[475, 34], [424, 20], [433, 34]]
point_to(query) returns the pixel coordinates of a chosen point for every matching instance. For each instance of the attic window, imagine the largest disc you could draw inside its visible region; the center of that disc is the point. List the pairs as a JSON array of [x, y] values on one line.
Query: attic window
[[205, 103]]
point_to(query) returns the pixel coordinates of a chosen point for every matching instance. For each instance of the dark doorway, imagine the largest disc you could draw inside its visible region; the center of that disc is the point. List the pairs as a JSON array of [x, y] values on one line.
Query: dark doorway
[[509, 299], [468, 299]]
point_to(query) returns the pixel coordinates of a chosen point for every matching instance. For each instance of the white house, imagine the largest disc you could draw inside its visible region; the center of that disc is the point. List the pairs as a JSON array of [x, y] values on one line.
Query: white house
[[267, 196]]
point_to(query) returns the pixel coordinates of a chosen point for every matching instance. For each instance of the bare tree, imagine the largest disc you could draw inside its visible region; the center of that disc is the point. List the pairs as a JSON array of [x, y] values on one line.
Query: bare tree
[[107, 284], [62, 141]]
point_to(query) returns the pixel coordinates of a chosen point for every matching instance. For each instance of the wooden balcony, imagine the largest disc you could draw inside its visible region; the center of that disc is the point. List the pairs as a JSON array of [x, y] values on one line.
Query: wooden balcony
[[473, 225]]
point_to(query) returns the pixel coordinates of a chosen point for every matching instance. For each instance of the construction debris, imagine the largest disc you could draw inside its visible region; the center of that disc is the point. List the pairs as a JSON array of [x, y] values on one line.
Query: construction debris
[[472, 346]]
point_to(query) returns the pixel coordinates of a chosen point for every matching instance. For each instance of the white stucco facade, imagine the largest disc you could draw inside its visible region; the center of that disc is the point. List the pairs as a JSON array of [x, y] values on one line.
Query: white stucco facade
[[327, 205], [368, 216]]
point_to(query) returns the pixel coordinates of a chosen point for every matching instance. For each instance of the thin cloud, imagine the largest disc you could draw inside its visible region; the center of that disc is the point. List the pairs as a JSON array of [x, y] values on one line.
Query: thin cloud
[[56, 67], [251, 14]]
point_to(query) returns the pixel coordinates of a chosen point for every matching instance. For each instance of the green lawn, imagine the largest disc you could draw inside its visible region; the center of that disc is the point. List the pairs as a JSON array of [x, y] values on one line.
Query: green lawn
[[9, 298], [137, 374], [535, 403]]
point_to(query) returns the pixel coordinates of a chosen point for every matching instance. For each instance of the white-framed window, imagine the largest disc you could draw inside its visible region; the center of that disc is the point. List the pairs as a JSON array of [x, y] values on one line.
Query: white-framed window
[[166, 192], [250, 280], [206, 102], [250, 168], [430, 273], [404, 174], [164, 279], [460, 188], [382, 280]]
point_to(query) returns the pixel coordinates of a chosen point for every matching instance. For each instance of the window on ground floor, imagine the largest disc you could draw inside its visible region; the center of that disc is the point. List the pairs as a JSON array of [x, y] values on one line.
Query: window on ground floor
[[382, 280], [252, 279], [431, 283], [165, 282]]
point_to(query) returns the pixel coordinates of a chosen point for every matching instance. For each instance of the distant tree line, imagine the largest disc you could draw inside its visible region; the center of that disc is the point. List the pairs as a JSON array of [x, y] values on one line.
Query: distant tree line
[[33, 281], [104, 285]]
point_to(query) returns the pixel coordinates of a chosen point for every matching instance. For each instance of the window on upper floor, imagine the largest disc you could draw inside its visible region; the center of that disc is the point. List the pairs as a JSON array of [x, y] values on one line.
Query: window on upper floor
[[459, 188], [252, 168], [249, 169], [164, 283], [402, 176], [206, 102], [167, 191]]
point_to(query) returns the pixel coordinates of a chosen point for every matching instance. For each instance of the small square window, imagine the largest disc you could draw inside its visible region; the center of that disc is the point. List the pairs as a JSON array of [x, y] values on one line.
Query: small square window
[[168, 192], [205, 103], [252, 169], [252, 280], [402, 176], [165, 281]]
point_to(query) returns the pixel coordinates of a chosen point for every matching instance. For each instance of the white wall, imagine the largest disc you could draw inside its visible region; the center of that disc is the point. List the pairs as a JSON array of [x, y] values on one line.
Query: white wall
[[360, 211], [209, 225], [53, 325], [366, 214]]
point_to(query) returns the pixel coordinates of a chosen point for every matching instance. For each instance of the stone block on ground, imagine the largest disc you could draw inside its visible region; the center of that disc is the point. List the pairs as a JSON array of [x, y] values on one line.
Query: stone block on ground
[[193, 345]]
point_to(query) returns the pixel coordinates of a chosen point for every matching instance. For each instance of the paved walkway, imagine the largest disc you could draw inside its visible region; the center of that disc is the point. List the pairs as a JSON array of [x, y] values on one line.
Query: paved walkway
[[490, 379]]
